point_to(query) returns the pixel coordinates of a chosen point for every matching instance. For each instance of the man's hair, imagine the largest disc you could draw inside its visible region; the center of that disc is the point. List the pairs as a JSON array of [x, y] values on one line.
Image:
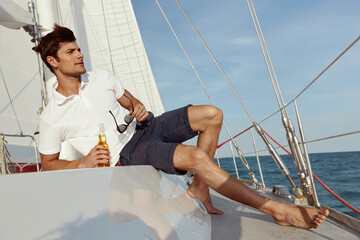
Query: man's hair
[[49, 44]]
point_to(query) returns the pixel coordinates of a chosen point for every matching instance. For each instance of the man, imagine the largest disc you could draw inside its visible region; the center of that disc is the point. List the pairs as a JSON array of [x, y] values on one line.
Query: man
[[83, 100]]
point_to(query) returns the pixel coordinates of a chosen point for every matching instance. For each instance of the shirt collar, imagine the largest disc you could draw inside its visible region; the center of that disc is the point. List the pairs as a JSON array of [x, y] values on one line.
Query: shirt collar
[[61, 99]]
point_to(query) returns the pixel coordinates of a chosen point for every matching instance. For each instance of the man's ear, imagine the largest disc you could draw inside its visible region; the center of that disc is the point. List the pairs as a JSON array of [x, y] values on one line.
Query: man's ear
[[52, 61]]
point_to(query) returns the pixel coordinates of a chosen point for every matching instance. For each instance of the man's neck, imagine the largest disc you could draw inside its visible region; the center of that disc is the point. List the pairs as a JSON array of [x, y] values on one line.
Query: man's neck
[[68, 85]]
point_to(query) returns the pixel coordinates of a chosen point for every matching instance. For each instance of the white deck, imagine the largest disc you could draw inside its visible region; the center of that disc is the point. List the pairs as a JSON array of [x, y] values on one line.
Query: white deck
[[243, 222], [107, 203], [130, 203]]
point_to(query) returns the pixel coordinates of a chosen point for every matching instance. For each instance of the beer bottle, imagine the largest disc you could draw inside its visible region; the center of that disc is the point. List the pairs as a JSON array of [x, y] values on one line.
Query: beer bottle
[[102, 141]]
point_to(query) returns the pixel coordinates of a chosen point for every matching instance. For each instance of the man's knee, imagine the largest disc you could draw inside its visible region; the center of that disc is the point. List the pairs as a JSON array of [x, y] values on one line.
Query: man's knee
[[218, 118], [190, 158], [199, 159], [205, 116], [215, 114]]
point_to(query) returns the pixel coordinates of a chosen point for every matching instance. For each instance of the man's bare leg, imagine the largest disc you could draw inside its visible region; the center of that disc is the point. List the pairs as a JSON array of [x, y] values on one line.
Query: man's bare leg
[[196, 160], [199, 161], [207, 120]]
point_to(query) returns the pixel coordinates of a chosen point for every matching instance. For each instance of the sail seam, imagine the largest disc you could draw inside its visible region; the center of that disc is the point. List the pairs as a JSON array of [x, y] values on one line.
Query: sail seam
[[107, 37]]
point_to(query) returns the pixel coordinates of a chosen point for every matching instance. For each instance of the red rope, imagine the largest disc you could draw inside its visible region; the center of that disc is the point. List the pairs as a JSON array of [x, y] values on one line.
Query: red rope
[[318, 179], [277, 142], [220, 145], [336, 196]]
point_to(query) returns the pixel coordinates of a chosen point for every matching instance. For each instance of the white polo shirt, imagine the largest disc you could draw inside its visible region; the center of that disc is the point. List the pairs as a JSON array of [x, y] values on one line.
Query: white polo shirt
[[76, 118]]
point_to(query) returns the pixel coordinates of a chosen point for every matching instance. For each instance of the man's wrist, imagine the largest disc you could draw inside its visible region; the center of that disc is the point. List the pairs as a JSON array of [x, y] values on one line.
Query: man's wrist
[[81, 163]]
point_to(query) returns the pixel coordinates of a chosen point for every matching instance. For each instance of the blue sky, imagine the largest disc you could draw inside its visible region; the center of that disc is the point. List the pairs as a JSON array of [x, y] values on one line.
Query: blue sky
[[303, 37]]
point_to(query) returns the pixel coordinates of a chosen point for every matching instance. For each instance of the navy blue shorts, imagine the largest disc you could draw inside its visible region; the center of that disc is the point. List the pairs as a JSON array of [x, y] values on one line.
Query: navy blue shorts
[[155, 141]]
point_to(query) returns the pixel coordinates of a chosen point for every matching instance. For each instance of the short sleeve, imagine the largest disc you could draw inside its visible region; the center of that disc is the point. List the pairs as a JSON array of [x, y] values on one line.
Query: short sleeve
[[119, 90], [50, 138]]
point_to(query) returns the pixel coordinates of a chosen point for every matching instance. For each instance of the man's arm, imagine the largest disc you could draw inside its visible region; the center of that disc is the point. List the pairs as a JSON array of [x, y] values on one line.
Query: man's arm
[[99, 154], [140, 112]]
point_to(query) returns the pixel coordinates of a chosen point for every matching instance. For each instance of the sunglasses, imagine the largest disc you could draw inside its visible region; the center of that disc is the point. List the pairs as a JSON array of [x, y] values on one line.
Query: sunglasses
[[127, 119]]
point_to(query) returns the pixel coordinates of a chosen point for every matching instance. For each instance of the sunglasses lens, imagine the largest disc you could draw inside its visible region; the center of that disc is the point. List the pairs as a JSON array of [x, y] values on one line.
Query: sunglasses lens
[[128, 118], [122, 128]]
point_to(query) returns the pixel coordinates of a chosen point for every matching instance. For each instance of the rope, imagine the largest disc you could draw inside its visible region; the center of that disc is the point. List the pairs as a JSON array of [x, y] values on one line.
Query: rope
[[2, 157], [13, 161], [277, 142], [220, 145]]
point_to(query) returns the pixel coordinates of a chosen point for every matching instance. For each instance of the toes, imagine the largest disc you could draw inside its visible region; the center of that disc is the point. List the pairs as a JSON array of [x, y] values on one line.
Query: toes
[[314, 225], [327, 212], [321, 217], [317, 222], [213, 210], [324, 212], [217, 212]]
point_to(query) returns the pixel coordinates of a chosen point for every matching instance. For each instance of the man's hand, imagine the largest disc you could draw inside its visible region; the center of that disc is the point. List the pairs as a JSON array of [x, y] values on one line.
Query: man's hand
[[98, 155], [140, 112], [129, 102]]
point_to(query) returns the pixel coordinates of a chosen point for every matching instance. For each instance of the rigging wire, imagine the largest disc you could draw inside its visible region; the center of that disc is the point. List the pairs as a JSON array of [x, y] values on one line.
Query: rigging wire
[[323, 184], [265, 52], [311, 141], [257, 159], [11, 103], [206, 92], [335, 136], [315, 79], [281, 107], [216, 62], [272, 151], [36, 38]]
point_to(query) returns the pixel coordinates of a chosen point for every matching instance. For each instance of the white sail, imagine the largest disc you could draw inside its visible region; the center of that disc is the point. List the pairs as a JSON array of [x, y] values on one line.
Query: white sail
[[108, 35]]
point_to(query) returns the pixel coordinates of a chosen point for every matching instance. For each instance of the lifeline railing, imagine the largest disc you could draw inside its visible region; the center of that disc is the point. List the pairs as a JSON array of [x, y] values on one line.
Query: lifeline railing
[[345, 203], [6, 157]]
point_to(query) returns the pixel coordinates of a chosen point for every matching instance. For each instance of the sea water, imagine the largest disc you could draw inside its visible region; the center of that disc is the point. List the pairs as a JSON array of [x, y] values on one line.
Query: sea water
[[340, 171]]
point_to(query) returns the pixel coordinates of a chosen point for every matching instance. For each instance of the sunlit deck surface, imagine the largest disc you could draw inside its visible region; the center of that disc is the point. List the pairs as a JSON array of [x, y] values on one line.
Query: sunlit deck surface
[[131, 203], [242, 222]]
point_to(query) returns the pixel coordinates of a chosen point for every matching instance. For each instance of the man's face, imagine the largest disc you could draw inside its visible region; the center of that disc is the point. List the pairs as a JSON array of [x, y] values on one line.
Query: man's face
[[70, 59]]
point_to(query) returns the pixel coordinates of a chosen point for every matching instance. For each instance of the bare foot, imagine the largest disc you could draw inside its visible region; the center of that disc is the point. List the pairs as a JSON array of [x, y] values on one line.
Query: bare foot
[[301, 217], [206, 201]]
